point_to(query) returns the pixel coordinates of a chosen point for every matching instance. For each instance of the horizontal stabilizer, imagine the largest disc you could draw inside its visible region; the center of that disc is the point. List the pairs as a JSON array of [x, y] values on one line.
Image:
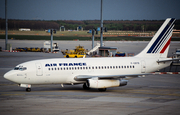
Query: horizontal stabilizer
[[168, 60]]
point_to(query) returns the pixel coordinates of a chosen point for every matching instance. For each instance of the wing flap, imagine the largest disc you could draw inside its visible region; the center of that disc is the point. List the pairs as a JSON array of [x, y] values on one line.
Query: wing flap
[[85, 77]]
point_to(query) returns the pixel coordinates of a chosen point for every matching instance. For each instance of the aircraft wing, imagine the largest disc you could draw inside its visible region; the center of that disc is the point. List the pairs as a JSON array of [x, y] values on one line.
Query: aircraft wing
[[167, 60], [127, 76]]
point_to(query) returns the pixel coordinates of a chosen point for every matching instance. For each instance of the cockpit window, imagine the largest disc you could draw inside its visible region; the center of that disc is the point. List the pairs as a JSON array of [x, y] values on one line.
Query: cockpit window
[[16, 68], [20, 68]]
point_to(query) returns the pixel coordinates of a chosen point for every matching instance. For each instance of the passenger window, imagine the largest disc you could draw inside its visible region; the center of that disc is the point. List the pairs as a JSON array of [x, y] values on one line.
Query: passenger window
[[89, 67], [119, 66], [93, 67], [124, 66]]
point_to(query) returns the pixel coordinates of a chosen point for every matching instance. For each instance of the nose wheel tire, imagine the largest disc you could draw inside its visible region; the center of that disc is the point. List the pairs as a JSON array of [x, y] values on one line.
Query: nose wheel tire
[[28, 89]]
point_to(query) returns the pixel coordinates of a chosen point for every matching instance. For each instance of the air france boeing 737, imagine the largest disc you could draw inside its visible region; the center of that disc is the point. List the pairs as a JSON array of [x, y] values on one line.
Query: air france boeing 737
[[100, 73]]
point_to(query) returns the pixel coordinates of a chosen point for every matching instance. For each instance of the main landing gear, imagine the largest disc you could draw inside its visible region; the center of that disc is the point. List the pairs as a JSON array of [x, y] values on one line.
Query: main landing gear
[[85, 86]]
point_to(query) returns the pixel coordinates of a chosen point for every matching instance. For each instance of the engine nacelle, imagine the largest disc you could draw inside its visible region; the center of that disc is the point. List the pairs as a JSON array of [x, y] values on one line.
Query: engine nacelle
[[95, 83]]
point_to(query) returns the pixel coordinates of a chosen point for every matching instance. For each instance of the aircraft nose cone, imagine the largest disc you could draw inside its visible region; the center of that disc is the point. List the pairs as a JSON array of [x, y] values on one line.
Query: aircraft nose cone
[[6, 75]]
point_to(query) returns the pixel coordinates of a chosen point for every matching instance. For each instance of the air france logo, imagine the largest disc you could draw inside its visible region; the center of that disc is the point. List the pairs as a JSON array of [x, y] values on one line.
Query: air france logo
[[64, 64]]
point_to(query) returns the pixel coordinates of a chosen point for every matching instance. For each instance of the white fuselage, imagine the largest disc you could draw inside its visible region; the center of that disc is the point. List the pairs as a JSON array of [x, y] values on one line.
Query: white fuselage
[[51, 71]]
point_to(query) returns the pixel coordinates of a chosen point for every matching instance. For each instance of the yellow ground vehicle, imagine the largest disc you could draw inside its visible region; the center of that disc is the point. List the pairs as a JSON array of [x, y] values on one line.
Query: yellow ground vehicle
[[72, 55], [79, 52]]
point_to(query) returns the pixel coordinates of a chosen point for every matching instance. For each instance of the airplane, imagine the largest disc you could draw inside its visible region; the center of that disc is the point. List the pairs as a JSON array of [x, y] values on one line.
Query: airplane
[[99, 73]]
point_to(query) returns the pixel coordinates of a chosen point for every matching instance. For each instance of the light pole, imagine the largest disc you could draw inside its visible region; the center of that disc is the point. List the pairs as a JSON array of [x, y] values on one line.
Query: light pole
[[101, 23], [6, 41], [52, 31]]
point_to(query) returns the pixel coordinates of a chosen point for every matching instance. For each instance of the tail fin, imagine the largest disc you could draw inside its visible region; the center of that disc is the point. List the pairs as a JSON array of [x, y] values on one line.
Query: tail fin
[[159, 44]]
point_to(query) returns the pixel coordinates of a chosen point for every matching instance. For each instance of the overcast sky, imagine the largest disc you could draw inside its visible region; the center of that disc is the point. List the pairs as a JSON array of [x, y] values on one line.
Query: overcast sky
[[90, 9]]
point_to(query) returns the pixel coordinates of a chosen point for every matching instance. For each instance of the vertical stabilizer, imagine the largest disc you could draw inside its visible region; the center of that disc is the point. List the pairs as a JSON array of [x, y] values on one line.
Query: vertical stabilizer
[[159, 44]]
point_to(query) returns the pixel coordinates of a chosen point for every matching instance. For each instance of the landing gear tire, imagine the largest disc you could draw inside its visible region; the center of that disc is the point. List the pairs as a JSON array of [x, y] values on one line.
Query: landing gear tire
[[28, 89], [85, 86], [102, 89]]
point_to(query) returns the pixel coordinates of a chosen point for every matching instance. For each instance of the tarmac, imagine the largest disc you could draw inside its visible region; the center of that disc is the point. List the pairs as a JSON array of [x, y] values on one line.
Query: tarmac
[[153, 94]]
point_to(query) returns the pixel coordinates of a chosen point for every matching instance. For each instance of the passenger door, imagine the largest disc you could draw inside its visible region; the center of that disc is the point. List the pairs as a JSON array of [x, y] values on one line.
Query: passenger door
[[143, 66], [39, 71]]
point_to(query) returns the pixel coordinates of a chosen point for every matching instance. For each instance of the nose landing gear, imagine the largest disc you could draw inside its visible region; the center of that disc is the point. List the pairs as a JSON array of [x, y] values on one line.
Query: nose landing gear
[[28, 89], [27, 86]]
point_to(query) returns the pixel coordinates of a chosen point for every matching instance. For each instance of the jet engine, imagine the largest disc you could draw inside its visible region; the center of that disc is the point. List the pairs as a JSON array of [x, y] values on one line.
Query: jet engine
[[105, 83]]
